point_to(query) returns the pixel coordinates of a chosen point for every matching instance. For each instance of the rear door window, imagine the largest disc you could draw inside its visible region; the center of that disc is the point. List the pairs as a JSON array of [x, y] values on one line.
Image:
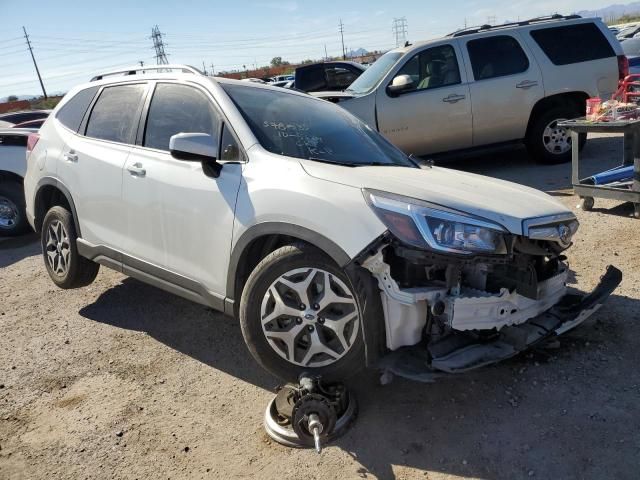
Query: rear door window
[[497, 56], [573, 43], [115, 114], [71, 114], [178, 109]]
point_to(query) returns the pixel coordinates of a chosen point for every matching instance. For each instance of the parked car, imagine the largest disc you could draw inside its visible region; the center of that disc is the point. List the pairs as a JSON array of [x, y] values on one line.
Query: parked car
[[282, 78], [13, 165], [489, 87], [330, 245], [629, 31], [631, 49], [327, 76], [24, 116], [283, 84]]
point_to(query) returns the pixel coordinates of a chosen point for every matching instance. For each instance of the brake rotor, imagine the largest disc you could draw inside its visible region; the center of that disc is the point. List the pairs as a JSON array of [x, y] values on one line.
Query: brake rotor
[[287, 416]]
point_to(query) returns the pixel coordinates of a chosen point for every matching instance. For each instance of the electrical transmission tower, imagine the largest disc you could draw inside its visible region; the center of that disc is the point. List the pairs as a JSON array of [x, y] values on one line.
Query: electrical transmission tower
[[400, 30], [156, 36]]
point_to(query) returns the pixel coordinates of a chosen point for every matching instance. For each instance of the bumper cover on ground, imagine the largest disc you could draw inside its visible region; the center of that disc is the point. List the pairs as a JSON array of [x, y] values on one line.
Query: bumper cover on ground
[[463, 351]]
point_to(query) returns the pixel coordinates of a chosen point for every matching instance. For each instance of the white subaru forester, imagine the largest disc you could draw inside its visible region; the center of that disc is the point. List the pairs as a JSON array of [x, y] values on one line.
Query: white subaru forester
[[332, 247]]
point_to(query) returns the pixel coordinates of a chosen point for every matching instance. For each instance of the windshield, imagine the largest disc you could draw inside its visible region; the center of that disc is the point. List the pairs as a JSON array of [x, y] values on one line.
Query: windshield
[[631, 47], [304, 127], [372, 75]]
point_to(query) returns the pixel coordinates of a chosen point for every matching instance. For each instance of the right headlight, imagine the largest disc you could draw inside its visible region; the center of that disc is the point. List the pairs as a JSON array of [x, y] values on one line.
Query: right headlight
[[424, 225]]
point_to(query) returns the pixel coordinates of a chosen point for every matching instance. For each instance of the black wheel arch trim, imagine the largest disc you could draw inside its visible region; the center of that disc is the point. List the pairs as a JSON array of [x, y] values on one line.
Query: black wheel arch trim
[[279, 228], [54, 182]]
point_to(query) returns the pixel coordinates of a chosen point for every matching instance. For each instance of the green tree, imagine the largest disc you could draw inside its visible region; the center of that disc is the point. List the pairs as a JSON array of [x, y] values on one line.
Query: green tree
[[276, 61], [12, 98]]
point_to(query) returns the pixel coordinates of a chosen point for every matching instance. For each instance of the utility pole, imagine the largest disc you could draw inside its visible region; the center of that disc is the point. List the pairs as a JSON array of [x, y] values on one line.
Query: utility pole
[[344, 54], [204, 68], [141, 63], [44, 92], [158, 45], [213, 71], [399, 30], [326, 57]]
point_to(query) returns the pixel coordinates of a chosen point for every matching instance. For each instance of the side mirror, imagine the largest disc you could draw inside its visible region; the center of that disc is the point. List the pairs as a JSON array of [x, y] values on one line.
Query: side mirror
[[195, 147], [401, 83]]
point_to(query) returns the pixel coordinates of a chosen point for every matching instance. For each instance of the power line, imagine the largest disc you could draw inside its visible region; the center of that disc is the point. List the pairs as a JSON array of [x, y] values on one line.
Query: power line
[[344, 53], [34, 61], [399, 30], [161, 56]]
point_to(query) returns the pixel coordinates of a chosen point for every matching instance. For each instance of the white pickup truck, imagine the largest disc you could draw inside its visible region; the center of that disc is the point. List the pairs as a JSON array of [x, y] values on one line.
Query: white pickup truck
[[489, 87]]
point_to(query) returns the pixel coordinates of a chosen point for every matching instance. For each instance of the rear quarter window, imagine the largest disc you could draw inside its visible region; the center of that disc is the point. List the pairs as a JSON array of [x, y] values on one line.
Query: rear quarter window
[[72, 112], [573, 43]]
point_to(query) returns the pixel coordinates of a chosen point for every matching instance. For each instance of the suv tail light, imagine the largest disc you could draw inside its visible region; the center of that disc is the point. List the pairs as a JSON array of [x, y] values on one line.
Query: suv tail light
[[623, 66], [32, 139]]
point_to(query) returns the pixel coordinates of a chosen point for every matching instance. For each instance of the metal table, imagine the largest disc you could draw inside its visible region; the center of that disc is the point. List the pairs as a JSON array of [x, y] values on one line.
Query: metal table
[[631, 156]]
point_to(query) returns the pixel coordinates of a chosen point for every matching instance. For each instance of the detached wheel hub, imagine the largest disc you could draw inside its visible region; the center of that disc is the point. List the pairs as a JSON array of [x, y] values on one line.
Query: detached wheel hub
[[310, 413]]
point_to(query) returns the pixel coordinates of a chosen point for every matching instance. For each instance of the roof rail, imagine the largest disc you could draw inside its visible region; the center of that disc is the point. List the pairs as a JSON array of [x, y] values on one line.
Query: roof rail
[[137, 70], [486, 28]]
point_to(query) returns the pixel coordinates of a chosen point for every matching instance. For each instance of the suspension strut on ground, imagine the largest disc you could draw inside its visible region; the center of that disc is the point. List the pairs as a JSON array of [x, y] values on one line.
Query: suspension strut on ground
[[309, 413]]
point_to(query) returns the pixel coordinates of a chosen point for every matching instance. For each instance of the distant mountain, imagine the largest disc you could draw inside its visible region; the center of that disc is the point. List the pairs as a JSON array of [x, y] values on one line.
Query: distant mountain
[[612, 12], [357, 53]]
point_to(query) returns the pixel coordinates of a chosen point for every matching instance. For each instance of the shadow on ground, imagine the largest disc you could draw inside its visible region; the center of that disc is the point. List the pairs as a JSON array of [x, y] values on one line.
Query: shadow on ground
[[14, 249], [505, 421], [599, 154]]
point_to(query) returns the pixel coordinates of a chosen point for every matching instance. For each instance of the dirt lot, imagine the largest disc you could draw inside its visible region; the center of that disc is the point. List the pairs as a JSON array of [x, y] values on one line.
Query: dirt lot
[[120, 380]]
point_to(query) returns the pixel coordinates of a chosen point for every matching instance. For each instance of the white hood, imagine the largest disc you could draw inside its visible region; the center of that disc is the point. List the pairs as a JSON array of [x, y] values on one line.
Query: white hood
[[503, 202]]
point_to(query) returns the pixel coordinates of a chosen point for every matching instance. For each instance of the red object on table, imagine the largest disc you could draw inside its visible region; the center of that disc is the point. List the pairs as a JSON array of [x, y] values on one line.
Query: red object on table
[[628, 89]]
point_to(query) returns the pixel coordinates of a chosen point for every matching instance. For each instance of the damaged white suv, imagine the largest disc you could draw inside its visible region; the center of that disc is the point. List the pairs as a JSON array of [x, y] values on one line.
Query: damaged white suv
[[331, 245]]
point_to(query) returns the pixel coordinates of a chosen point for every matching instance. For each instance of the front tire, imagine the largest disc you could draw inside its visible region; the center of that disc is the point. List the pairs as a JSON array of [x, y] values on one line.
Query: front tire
[[13, 217], [299, 312], [65, 266], [548, 143]]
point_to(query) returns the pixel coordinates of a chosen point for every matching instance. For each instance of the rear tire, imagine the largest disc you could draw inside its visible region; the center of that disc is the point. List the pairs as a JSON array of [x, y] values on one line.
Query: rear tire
[[13, 217], [549, 144], [283, 345], [65, 266]]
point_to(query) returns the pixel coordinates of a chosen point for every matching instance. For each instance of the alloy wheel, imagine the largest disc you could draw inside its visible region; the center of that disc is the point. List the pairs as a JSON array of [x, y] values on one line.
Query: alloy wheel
[[310, 317], [557, 140], [8, 213], [58, 248]]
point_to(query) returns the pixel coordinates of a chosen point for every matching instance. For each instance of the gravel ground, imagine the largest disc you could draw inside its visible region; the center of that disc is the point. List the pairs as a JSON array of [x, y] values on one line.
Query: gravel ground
[[121, 380]]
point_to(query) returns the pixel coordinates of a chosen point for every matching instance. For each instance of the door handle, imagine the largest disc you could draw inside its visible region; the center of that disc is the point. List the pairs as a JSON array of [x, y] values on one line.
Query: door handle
[[527, 84], [70, 156], [453, 98], [136, 170]]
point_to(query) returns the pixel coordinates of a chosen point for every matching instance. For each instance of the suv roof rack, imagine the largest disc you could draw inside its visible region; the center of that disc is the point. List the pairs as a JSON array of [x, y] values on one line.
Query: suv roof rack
[[137, 70], [486, 28]]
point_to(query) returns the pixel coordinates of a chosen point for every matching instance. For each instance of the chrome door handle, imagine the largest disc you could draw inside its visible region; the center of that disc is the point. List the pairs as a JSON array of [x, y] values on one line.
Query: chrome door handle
[[453, 98], [527, 84], [70, 157], [136, 170]]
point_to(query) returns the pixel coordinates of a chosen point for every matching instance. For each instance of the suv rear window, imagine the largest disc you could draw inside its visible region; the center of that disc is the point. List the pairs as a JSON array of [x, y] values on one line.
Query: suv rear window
[[115, 115], [573, 43], [73, 111], [496, 57]]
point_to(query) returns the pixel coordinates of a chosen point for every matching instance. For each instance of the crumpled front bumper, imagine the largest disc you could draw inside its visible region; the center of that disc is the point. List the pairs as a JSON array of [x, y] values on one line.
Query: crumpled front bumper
[[463, 351]]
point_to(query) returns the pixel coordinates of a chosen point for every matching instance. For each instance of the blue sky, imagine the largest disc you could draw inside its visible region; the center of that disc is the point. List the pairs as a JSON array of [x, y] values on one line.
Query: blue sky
[[74, 39]]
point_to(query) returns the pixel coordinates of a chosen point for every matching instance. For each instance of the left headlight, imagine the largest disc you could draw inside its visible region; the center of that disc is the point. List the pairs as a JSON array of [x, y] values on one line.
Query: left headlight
[[424, 225]]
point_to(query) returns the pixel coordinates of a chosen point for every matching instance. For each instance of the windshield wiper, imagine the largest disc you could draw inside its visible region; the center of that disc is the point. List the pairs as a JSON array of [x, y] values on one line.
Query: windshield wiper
[[333, 162]]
